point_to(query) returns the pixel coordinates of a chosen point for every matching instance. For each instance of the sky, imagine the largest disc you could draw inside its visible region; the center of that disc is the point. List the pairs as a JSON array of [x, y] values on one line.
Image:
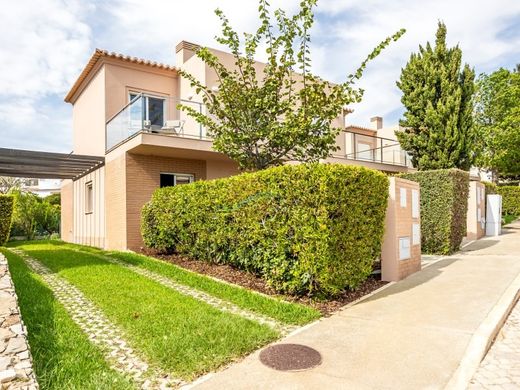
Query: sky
[[44, 45]]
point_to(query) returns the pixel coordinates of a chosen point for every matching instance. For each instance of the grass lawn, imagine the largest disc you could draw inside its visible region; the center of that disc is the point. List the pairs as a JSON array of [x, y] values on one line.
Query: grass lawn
[[179, 334], [63, 356], [509, 218], [278, 309]]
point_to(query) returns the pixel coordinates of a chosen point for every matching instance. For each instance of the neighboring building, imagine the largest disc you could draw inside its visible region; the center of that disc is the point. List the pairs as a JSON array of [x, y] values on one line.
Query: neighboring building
[[125, 109], [43, 187], [40, 187]]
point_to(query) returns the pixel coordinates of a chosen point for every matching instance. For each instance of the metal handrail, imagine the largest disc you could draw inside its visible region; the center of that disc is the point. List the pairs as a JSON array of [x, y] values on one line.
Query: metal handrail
[[355, 155]]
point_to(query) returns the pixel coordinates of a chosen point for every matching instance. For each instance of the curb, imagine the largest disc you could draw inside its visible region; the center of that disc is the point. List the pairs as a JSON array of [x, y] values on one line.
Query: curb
[[482, 339]]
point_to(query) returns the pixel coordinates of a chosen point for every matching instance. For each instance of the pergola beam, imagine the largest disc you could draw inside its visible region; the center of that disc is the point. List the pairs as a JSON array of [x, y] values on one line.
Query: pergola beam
[[44, 165]]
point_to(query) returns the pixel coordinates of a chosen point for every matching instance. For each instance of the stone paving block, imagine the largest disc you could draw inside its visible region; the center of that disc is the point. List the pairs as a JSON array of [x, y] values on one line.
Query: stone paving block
[[79, 308], [500, 368], [202, 296]]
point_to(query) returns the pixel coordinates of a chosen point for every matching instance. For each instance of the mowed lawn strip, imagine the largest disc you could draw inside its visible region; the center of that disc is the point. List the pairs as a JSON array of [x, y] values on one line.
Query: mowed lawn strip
[[278, 309], [182, 335], [63, 357]]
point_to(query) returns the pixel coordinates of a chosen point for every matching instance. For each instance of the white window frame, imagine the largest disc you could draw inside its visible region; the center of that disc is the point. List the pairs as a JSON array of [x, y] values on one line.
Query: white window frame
[[190, 175], [89, 197], [146, 96], [369, 151]]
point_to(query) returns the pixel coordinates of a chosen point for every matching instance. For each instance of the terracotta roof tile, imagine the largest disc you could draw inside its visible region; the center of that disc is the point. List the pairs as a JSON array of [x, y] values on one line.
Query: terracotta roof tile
[[98, 54]]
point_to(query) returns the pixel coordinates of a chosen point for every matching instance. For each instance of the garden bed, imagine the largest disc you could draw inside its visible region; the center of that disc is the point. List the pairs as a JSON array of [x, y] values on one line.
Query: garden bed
[[245, 279]]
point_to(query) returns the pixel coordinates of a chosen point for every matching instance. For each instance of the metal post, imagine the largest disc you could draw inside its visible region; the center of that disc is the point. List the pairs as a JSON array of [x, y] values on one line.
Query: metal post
[[355, 146], [200, 124], [143, 112]]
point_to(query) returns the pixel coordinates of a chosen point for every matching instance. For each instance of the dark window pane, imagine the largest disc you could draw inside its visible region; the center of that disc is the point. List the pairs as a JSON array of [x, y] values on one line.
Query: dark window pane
[[166, 180], [156, 111]]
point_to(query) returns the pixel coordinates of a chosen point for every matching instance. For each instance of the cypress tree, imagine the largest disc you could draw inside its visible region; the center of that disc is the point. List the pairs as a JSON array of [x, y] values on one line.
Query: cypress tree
[[438, 98]]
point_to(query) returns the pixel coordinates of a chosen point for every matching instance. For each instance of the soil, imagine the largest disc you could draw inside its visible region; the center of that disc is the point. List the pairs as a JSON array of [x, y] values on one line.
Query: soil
[[245, 279]]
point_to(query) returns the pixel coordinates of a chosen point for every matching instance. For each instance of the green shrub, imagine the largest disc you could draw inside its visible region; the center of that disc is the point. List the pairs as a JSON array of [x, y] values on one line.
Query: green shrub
[[510, 199], [491, 188], [306, 229], [6, 217], [444, 203]]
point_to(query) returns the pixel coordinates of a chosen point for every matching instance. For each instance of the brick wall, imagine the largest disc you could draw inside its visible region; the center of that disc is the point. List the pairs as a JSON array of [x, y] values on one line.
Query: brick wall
[[142, 179]]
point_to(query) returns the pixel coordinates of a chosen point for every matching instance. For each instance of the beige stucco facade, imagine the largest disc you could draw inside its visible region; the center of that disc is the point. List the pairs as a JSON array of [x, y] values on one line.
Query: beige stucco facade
[[88, 216], [134, 165]]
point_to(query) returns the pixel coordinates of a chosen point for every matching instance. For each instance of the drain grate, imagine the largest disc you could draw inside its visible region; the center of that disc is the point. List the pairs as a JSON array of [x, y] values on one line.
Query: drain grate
[[290, 357]]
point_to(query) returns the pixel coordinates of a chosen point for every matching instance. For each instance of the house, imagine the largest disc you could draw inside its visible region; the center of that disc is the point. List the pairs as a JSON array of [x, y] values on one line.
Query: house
[[42, 187], [125, 111]]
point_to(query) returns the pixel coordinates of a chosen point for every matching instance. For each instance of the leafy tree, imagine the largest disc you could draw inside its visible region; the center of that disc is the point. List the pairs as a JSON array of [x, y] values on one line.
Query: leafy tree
[[9, 184], [25, 213], [438, 98], [54, 199], [48, 217], [497, 115], [262, 117], [34, 215]]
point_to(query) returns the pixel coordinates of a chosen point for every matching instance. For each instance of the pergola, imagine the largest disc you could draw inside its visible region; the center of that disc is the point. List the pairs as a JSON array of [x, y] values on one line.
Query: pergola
[[45, 165]]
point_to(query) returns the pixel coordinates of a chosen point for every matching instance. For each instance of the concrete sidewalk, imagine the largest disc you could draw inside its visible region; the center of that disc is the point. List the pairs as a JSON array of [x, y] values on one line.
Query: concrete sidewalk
[[411, 335]]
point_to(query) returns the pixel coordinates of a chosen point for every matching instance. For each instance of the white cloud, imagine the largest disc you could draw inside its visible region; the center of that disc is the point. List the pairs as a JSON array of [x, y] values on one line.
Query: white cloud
[[358, 26], [44, 44], [155, 26]]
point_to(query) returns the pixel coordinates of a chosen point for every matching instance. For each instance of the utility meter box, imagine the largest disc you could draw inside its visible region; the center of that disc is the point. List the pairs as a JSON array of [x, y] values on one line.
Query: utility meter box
[[401, 250], [493, 215], [476, 217]]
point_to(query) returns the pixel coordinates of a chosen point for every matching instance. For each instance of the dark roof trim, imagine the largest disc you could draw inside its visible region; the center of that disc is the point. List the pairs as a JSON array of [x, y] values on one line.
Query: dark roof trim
[[45, 165]]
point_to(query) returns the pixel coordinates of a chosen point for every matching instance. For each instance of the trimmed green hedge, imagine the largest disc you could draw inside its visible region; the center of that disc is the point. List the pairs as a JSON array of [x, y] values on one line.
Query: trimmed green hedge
[[510, 199], [444, 203], [306, 229], [6, 217], [491, 188]]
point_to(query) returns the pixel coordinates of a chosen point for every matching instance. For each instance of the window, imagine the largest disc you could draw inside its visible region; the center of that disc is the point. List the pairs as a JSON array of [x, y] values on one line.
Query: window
[[175, 179], [365, 151], [89, 198], [153, 111]]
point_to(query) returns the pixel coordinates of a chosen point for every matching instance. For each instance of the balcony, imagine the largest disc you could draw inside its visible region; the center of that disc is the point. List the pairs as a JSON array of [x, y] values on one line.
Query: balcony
[[372, 149], [153, 114], [146, 114]]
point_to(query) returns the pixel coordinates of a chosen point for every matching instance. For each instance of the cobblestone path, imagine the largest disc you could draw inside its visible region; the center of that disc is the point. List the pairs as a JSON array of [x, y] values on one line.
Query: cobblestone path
[[201, 296], [500, 369], [100, 330]]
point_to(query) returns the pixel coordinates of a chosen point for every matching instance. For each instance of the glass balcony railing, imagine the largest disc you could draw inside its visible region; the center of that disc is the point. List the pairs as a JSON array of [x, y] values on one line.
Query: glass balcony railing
[[153, 114], [369, 148]]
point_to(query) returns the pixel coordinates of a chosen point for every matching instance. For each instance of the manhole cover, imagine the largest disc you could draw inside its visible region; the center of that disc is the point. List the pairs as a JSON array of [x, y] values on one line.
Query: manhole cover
[[290, 357]]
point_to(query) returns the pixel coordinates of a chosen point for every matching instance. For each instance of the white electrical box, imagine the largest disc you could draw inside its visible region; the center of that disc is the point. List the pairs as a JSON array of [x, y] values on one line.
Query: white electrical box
[[493, 215]]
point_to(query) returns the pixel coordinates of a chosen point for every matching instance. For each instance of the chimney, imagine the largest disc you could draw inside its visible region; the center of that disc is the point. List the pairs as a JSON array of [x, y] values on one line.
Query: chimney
[[184, 50], [377, 122]]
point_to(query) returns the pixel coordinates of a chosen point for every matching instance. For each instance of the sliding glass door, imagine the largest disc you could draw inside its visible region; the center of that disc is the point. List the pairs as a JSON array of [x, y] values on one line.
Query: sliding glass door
[[153, 111]]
